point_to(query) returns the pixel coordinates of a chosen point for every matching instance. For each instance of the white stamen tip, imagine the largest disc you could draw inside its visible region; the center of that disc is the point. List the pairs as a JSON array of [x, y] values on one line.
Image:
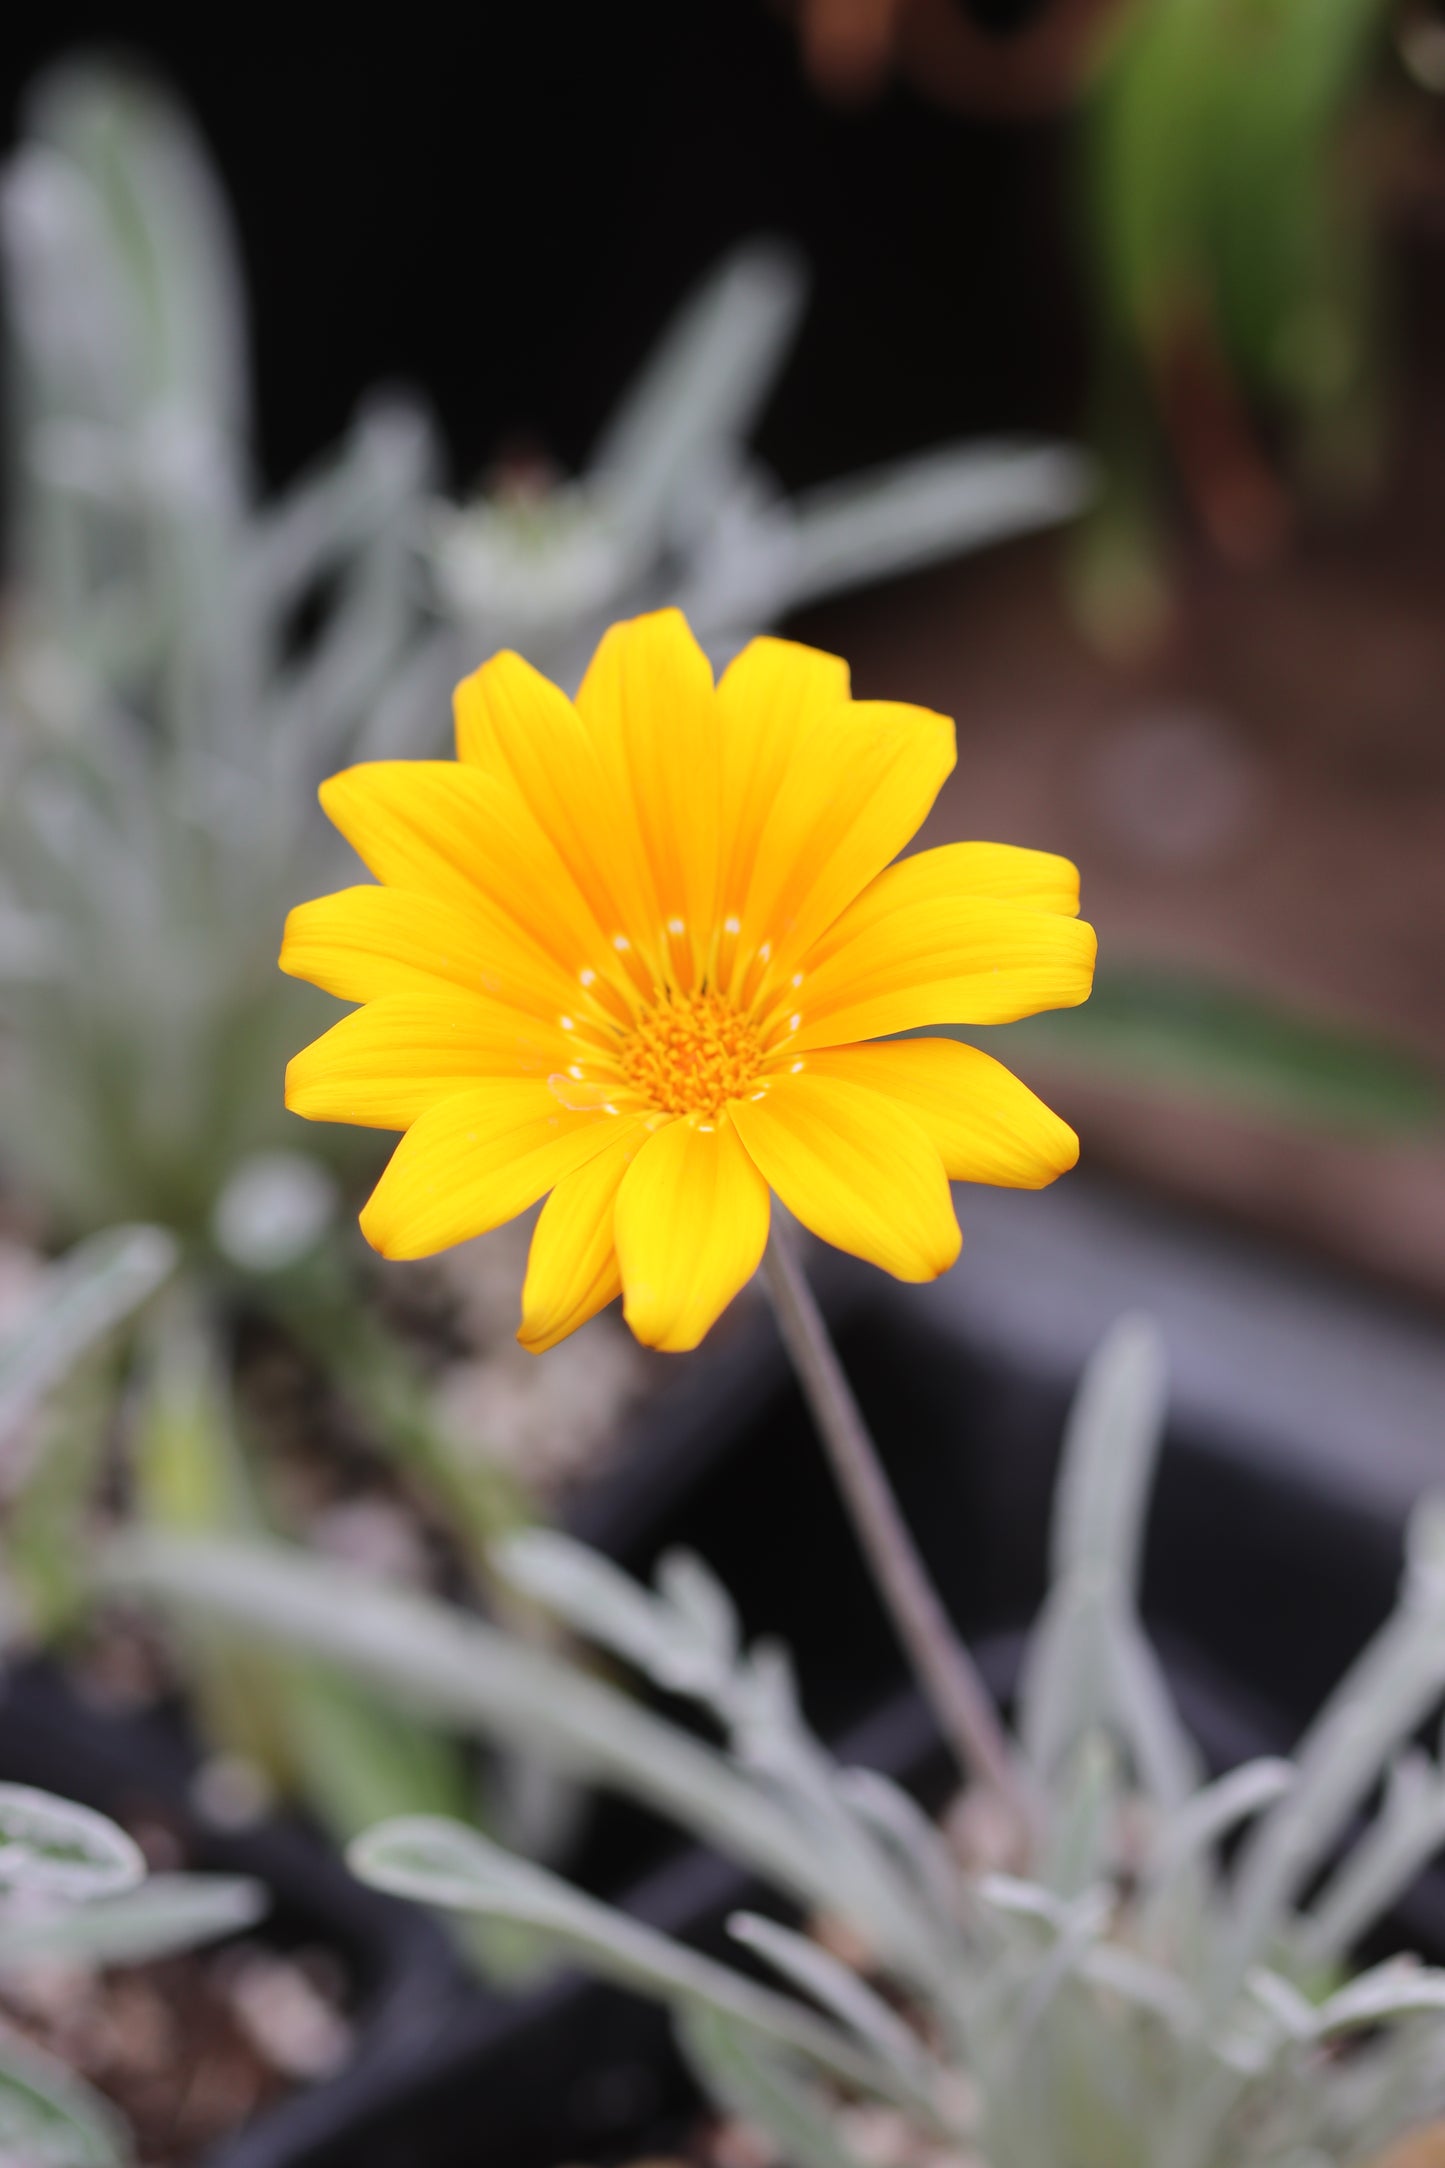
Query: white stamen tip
[[566, 1023], [793, 1022], [797, 978], [620, 942], [676, 926], [797, 1068], [578, 1072], [766, 950], [732, 924], [588, 976]]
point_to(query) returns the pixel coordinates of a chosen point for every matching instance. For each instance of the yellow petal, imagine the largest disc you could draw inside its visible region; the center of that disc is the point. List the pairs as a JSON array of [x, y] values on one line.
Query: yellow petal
[[768, 697], [517, 725], [649, 707], [987, 1125], [1037, 878], [691, 1226], [572, 1270], [476, 1159], [953, 960], [387, 1063], [860, 782], [855, 1167], [467, 837], [366, 942]]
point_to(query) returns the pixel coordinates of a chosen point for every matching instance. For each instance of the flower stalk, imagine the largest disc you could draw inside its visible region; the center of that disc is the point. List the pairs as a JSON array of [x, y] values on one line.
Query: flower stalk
[[942, 1665]]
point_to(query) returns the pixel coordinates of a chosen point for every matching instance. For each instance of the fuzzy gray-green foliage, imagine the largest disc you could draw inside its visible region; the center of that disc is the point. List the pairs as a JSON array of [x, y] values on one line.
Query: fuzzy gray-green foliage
[[1132, 1998], [73, 1889], [1165, 1981], [180, 665]]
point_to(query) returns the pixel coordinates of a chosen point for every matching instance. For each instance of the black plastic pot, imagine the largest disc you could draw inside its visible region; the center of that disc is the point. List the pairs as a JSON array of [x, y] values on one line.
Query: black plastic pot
[[400, 1964]]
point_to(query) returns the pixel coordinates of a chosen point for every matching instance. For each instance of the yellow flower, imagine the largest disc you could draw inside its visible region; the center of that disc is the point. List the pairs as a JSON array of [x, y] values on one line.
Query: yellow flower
[[628, 951]]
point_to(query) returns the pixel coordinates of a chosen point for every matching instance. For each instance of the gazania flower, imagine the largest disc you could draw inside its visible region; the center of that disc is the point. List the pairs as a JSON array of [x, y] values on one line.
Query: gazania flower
[[643, 955]]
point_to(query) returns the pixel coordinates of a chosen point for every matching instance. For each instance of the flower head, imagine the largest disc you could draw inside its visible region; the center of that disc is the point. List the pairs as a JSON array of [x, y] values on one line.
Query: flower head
[[642, 955]]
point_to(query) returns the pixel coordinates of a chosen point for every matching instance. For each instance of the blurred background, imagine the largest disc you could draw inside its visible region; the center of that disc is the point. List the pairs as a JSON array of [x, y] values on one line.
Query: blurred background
[[1222, 697], [1074, 367]]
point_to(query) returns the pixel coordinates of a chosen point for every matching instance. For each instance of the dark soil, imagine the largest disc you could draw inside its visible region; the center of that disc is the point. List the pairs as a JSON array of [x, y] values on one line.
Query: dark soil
[[191, 2047]]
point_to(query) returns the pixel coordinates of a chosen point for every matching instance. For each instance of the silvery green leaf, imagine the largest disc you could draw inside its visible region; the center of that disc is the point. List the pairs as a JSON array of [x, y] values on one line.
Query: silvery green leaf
[[685, 1639], [1111, 1444], [1087, 1664], [740, 2075], [805, 1964], [448, 1864], [962, 497], [49, 2119], [607, 1606], [1291, 2011], [55, 1848], [1378, 1704], [1081, 1927], [1405, 1835], [1166, 1762], [162, 1915], [380, 466], [1192, 1833], [702, 387], [910, 1836], [1111, 1966], [698, 1596], [1012, 1894], [167, 229], [1396, 1989], [458, 1670], [89, 1292], [1082, 1831]]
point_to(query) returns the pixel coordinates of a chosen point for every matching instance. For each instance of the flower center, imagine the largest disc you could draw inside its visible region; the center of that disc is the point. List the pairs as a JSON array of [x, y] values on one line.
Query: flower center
[[692, 1054]]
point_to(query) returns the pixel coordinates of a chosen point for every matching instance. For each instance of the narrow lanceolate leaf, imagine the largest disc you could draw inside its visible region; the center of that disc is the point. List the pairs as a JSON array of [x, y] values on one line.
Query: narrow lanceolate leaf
[[85, 1296], [962, 497], [170, 1912], [598, 1600], [54, 1848], [740, 2074], [805, 1964], [445, 1863], [700, 393], [1376, 1706], [1177, 1032], [1088, 1664], [458, 1670], [49, 2119], [1408, 1831]]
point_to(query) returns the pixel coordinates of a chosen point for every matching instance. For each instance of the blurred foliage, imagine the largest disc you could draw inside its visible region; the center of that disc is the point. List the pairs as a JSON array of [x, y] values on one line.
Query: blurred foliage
[[1156, 1029], [73, 1886], [180, 664], [1164, 1977], [1230, 223], [181, 661]]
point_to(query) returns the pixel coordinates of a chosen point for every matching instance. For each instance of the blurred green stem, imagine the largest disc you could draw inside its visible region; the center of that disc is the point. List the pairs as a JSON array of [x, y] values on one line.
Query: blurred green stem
[[942, 1665]]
